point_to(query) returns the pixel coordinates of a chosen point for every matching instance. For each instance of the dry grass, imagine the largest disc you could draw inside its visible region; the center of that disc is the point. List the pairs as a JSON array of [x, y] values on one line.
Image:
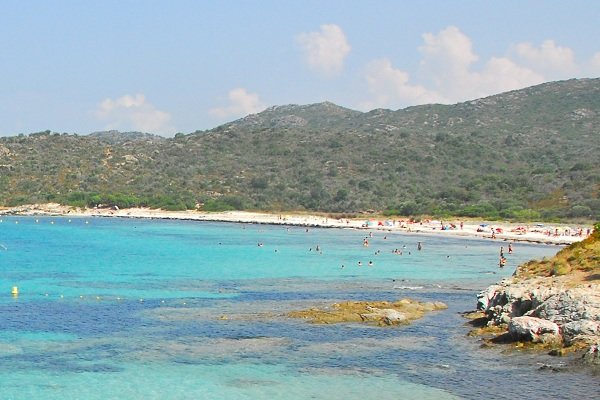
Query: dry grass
[[580, 261]]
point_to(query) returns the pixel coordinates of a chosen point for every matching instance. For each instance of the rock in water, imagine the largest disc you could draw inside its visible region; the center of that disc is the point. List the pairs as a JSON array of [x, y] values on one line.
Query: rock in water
[[382, 313], [592, 356]]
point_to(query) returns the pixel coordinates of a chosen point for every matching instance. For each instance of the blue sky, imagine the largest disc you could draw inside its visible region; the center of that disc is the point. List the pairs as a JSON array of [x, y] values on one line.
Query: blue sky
[[180, 66]]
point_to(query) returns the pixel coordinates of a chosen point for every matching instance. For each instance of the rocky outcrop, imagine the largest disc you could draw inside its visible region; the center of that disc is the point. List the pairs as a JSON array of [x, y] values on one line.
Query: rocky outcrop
[[533, 329], [544, 310], [382, 313]]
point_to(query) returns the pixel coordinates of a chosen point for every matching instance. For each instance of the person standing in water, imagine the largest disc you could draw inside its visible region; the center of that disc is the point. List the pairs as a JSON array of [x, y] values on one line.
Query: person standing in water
[[419, 246]]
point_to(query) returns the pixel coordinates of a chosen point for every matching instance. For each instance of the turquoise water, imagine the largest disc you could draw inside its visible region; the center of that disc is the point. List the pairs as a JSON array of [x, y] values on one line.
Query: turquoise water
[[141, 309]]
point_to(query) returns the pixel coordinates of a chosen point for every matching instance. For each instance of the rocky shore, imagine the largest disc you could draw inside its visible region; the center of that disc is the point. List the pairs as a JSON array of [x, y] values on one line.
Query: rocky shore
[[556, 308]]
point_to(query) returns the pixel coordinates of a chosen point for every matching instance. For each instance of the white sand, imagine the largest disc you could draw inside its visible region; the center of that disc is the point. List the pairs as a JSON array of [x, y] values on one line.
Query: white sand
[[503, 231]]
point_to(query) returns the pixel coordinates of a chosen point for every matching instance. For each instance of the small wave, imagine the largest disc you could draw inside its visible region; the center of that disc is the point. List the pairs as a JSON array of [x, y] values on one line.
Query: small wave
[[408, 287]]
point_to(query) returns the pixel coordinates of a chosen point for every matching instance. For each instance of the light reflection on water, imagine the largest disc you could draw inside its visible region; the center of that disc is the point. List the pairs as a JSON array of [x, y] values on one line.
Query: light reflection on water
[[186, 310]]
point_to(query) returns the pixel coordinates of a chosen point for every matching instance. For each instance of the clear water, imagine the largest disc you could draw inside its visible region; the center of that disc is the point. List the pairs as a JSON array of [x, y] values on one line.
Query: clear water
[[141, 309]]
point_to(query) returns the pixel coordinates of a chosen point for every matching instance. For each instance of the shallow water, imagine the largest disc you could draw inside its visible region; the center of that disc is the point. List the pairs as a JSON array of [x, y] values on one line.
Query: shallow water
[[140, 309]]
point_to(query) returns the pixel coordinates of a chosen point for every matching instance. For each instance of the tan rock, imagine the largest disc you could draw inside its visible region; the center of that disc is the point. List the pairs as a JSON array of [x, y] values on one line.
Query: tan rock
[[382, 313]]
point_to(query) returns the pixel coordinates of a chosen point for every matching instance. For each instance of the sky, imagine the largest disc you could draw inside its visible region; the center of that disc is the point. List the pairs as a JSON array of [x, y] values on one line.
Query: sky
[[181, 66]]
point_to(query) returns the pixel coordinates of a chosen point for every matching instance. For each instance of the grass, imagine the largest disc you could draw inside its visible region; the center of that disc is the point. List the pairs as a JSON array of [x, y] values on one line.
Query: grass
[[581, 261]]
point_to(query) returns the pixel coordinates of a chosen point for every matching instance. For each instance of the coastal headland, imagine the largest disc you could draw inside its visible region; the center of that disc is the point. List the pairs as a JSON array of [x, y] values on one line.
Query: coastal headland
[[551, 304]]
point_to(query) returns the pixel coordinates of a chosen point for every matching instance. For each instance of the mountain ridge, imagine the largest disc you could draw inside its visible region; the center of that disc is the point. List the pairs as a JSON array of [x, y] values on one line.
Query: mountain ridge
[[529, 153]]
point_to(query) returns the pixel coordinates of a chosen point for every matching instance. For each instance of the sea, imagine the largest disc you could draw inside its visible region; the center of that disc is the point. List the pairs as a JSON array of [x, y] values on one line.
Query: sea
[[116, 308]]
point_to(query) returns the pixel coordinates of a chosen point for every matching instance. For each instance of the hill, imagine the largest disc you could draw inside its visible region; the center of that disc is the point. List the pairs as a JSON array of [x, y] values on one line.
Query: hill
[[525, 154]]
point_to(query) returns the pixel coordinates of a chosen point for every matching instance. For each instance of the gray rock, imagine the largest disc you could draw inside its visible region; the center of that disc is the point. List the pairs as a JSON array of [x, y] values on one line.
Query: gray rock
[[533, 329], [581, 330], [576, 311], [592, 356]]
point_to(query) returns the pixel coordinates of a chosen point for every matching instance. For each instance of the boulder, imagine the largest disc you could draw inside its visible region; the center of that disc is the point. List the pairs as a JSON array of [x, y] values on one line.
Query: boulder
[[592, 356], [571, 305], [533, 329], [581, 330]]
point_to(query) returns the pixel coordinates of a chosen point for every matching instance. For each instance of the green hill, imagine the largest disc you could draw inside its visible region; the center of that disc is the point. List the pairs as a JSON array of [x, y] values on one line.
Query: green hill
[[525, 154]]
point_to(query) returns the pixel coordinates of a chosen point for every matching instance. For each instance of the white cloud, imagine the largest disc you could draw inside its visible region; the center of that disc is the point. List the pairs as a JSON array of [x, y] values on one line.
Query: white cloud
[[133, 113], [448, 60], [240, 103], [390, 86], [549, 58], [595, 65], [446, 74], [500, 75], [447, 54], [326, 50]]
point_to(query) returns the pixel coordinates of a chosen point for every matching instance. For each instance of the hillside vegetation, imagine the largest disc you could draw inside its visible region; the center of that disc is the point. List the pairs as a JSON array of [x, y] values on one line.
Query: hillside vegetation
[[580, 260], [526, 154]]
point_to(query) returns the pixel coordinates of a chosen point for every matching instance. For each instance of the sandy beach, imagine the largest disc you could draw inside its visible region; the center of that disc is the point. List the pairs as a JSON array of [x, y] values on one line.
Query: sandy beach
[[558, 234]]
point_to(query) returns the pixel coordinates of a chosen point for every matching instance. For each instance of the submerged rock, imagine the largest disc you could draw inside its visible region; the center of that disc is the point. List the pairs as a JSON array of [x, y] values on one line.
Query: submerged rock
[[382, 313]]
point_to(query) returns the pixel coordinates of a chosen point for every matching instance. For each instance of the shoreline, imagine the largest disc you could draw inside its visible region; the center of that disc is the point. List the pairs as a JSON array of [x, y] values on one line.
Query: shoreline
[[558, 234]]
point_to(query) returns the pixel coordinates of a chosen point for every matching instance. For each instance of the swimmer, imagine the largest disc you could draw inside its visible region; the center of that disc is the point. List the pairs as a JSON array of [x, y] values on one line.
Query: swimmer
[[360, 263], [502, 262], [370, 263]]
